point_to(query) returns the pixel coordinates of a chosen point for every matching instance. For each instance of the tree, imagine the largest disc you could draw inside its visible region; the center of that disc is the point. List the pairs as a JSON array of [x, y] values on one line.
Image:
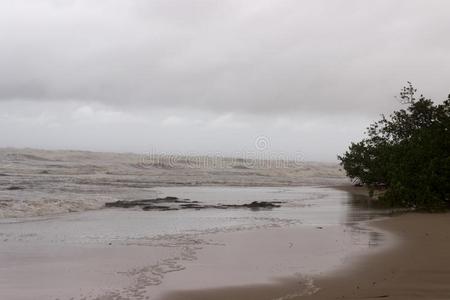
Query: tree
[[408, 154]]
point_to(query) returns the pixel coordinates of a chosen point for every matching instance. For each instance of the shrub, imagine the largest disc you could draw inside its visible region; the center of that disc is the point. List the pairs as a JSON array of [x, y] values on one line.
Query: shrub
[[407, 153]]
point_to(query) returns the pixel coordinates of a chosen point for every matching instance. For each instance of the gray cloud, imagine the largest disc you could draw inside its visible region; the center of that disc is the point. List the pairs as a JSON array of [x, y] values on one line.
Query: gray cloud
[[209, 77], [71, 125], [224, 56]]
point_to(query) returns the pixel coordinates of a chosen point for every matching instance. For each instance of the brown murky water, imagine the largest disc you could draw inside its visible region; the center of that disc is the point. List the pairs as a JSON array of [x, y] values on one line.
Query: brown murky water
[[134, 254]]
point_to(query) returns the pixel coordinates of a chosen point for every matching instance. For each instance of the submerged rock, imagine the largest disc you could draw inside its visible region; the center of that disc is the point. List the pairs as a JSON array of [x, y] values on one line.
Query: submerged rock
[[145, 202], [158, 207], [15, 188], [262, 204], [174, 203]]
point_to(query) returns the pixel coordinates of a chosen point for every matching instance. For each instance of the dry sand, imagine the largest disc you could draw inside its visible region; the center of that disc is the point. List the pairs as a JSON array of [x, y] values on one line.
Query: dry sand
[[417, 267]]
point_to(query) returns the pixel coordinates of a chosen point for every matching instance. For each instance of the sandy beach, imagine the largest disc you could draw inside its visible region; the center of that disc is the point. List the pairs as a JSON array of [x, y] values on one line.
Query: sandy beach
[[399, 257], [325, 241], [416, 266], [136, 254]]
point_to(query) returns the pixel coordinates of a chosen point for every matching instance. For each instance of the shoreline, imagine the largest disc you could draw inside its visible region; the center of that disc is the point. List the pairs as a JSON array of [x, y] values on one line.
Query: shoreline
[[263, 263], [417, 267], [257, 258], [136, 254]]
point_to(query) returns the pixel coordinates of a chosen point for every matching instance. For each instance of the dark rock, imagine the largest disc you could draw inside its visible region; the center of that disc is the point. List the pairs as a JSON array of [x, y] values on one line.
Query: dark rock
[[144, 202], [174, 203], [158, 207], [262, 204], [255, 205], [15, 188], [192, 205]]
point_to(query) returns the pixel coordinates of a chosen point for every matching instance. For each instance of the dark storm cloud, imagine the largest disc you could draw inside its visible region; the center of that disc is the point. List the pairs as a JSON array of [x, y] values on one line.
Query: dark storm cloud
[[224, 56]]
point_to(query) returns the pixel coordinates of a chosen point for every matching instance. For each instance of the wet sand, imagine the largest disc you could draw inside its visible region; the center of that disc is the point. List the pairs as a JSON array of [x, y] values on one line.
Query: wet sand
[[417, 266], [131, 254], [257, 258], [105, 254]]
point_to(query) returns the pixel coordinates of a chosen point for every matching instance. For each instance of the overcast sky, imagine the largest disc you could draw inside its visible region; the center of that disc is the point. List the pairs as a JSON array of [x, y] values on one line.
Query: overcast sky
[[213, 77]]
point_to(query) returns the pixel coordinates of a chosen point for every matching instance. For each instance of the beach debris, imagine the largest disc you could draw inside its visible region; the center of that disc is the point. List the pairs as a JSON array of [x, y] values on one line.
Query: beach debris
[[175, 203]]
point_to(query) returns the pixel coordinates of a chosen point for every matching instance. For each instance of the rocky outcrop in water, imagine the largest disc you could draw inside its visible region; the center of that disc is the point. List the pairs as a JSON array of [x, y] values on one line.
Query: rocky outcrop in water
[[174, 203], [15, 188]]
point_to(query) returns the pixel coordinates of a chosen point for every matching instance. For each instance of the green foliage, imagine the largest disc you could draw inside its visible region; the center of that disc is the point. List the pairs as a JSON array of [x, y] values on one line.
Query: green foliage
[[407, 154]]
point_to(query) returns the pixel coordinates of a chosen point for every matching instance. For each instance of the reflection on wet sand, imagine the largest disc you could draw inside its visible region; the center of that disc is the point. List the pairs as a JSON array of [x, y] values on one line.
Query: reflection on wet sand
[[134, 254]]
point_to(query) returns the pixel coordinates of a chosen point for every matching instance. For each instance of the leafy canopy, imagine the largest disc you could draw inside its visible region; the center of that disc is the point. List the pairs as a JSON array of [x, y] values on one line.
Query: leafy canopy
[[407, 154]]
